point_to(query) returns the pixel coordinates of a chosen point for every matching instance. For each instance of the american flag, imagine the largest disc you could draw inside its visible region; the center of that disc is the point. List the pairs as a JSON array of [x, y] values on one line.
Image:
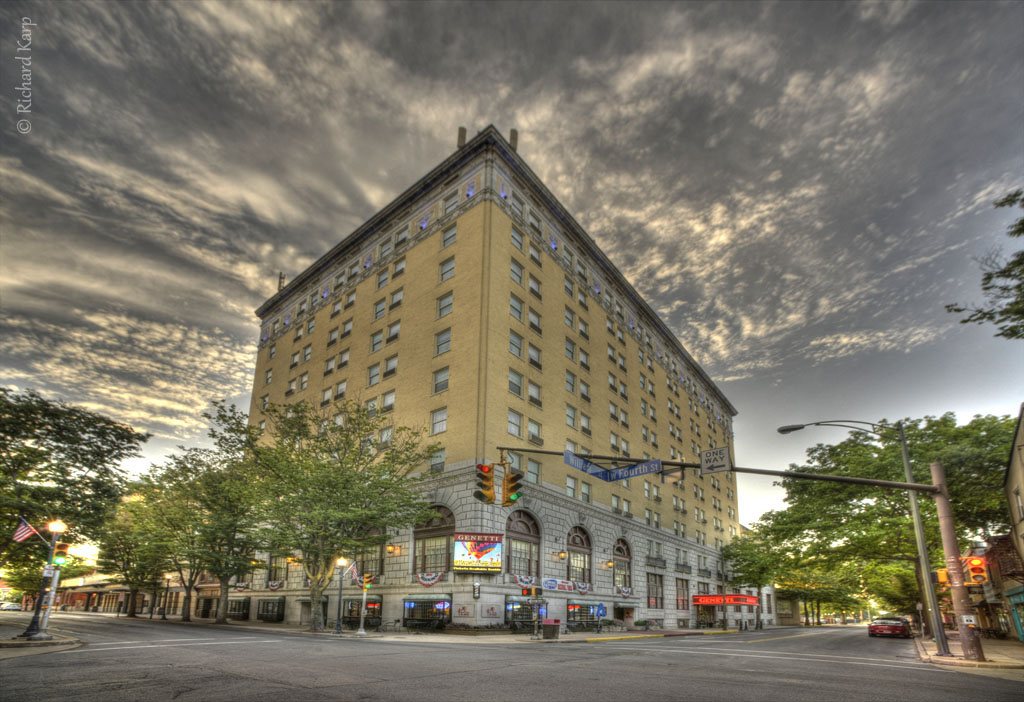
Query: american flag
[[24, 530]]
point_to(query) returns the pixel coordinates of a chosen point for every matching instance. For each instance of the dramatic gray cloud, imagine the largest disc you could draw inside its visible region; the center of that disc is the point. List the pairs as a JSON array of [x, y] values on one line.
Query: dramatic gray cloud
[[798, 188]]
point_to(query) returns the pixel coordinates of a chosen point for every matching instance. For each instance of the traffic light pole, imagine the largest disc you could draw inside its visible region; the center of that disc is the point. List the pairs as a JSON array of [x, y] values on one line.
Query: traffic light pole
[[33, 627], [362, 615], [969, 642], [42, 635]]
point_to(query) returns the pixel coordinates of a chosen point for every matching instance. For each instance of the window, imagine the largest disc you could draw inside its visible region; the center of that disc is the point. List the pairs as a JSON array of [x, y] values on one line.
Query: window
[[447, 268], [390, 366], [385, 247], [517, 205], [655, 591], [303, 381], [399, 268], [393, 330], [387, 401], [570, 349], [535, 254], [448, 237], [568, 286], [585, 491], [441, 379], [451, 202], [379, 307], [570, 381], [584, 359], [343, 358], [534, 222], [376, 341], [310, 326], [622, 575], [570, 318], [515, 345], [264, 402], [517, 239], [585, 390], [533, 393], [515, 307], [578, 544], [533, 431], [437, 461], [442, 342], [523, 535], [581, 298], [295, 360], [444, 305], [535, 287], [382, 278], [570, 486], [439, 421], [570, 416], [584, 329], [516, 271], [346, 328], [515, 423], [534, 354], [373, 375], [307, 352], [336, 308], [329, 365], [515, 382], [584, 423], [332, 336], [339, 389], [534, 320], [532, 471], [433, 542]]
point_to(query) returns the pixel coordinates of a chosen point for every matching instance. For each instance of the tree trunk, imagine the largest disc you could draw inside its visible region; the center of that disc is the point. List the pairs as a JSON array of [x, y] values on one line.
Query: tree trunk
[[316, 608], [807, 616], [222, 603], [132, 597], [817, 612], [186, 600], [760, 601], [842, 614]]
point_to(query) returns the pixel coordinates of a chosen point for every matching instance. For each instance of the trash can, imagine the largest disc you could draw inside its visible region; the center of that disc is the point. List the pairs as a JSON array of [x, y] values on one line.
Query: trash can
[[550, 627]]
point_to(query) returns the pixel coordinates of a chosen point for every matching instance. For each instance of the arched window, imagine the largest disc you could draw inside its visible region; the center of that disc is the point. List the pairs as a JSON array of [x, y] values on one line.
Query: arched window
[[433, 543], [523, 534], [578, 545], [623, 560]]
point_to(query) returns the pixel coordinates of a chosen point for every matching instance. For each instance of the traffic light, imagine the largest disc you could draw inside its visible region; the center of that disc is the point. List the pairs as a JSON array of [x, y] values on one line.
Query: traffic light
[[485, 481], [975, 572], [511, 488], [367, 581], [942, 576], [533, 592], [60, 553]]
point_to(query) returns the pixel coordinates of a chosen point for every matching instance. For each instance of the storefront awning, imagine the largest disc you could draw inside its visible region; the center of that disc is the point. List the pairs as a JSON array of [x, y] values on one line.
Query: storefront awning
[[306, 599], [586, 603], [359, 598], [626, 605], [441, 597], [519, 598]]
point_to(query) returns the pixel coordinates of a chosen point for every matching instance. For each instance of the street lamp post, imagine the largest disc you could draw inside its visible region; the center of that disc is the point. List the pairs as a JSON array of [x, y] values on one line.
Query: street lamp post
[[342, 562], [37, 629], [923, 562], [167, 598]]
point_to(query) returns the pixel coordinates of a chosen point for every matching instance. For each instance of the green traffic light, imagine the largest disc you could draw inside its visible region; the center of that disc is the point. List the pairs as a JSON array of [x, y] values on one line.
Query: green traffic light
[[60, 560]]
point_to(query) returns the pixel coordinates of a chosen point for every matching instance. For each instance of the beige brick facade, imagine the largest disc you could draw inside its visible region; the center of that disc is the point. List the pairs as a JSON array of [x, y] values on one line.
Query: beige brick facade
[[485, 313]]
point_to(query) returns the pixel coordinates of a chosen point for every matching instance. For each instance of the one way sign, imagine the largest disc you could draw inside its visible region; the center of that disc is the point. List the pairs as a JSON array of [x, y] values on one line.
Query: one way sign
[[715, 460]]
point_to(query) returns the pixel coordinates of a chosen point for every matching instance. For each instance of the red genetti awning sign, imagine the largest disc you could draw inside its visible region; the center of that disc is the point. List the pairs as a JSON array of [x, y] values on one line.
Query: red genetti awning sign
[[725, 600]]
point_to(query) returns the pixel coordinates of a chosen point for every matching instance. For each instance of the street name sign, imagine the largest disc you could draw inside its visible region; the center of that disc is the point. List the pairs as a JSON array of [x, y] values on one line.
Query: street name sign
[[715, 460], [583, 464], [652, 466]]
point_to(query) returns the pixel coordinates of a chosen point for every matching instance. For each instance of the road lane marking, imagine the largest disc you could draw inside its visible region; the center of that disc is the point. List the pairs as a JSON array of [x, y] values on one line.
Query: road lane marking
[[112, 643], [746, 654], [207, 643]]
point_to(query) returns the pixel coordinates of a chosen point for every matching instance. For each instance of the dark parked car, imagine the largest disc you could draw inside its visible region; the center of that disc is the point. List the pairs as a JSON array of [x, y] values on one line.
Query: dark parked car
[[893, 626]]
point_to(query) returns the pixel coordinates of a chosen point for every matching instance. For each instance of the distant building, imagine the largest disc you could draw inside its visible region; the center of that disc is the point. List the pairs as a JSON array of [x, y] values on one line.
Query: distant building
[[474, 305], [1008, 550]]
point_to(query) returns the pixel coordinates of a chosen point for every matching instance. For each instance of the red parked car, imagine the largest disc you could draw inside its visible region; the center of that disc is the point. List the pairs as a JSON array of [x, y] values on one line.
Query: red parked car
[[889, 627]]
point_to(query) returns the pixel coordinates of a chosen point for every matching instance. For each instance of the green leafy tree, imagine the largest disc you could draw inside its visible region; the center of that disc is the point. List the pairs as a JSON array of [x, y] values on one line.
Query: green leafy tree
[[129, 552], [754, 560], [221, 483], [334, 482], [1002, 283], [57, 461], [28, 576]]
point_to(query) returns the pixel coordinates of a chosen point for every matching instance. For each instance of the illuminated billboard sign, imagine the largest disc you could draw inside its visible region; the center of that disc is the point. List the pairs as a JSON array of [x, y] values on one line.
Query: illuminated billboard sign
[[725, 600], [479, 553]]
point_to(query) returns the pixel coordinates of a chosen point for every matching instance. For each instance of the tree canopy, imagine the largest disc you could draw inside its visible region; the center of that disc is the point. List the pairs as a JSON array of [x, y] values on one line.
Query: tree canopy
[[57, 461], [1002, 283]]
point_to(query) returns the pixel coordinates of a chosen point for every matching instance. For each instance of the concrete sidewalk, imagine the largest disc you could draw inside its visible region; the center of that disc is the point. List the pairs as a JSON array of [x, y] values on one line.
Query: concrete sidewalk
[[999, 653], [451, 636]]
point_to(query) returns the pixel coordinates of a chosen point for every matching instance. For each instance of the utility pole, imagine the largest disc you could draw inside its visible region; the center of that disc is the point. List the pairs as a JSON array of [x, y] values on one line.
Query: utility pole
[[969, 641]]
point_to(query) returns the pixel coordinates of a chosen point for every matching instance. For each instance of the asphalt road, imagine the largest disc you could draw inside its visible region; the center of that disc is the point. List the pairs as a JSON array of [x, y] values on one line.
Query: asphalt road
[[155, 661]]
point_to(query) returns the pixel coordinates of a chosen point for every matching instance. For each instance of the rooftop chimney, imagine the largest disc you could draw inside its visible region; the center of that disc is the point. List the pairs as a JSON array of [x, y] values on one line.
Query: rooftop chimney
[[280, 281], [513, 139], [462, 137]]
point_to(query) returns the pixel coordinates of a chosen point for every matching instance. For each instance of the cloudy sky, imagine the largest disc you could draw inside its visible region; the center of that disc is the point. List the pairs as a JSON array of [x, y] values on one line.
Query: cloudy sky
[[798, 188]]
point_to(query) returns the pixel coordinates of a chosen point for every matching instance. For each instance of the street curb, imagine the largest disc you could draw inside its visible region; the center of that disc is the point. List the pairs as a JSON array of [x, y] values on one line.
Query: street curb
[[727, 631], [57, 640], [620, 638], [960, 662]]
